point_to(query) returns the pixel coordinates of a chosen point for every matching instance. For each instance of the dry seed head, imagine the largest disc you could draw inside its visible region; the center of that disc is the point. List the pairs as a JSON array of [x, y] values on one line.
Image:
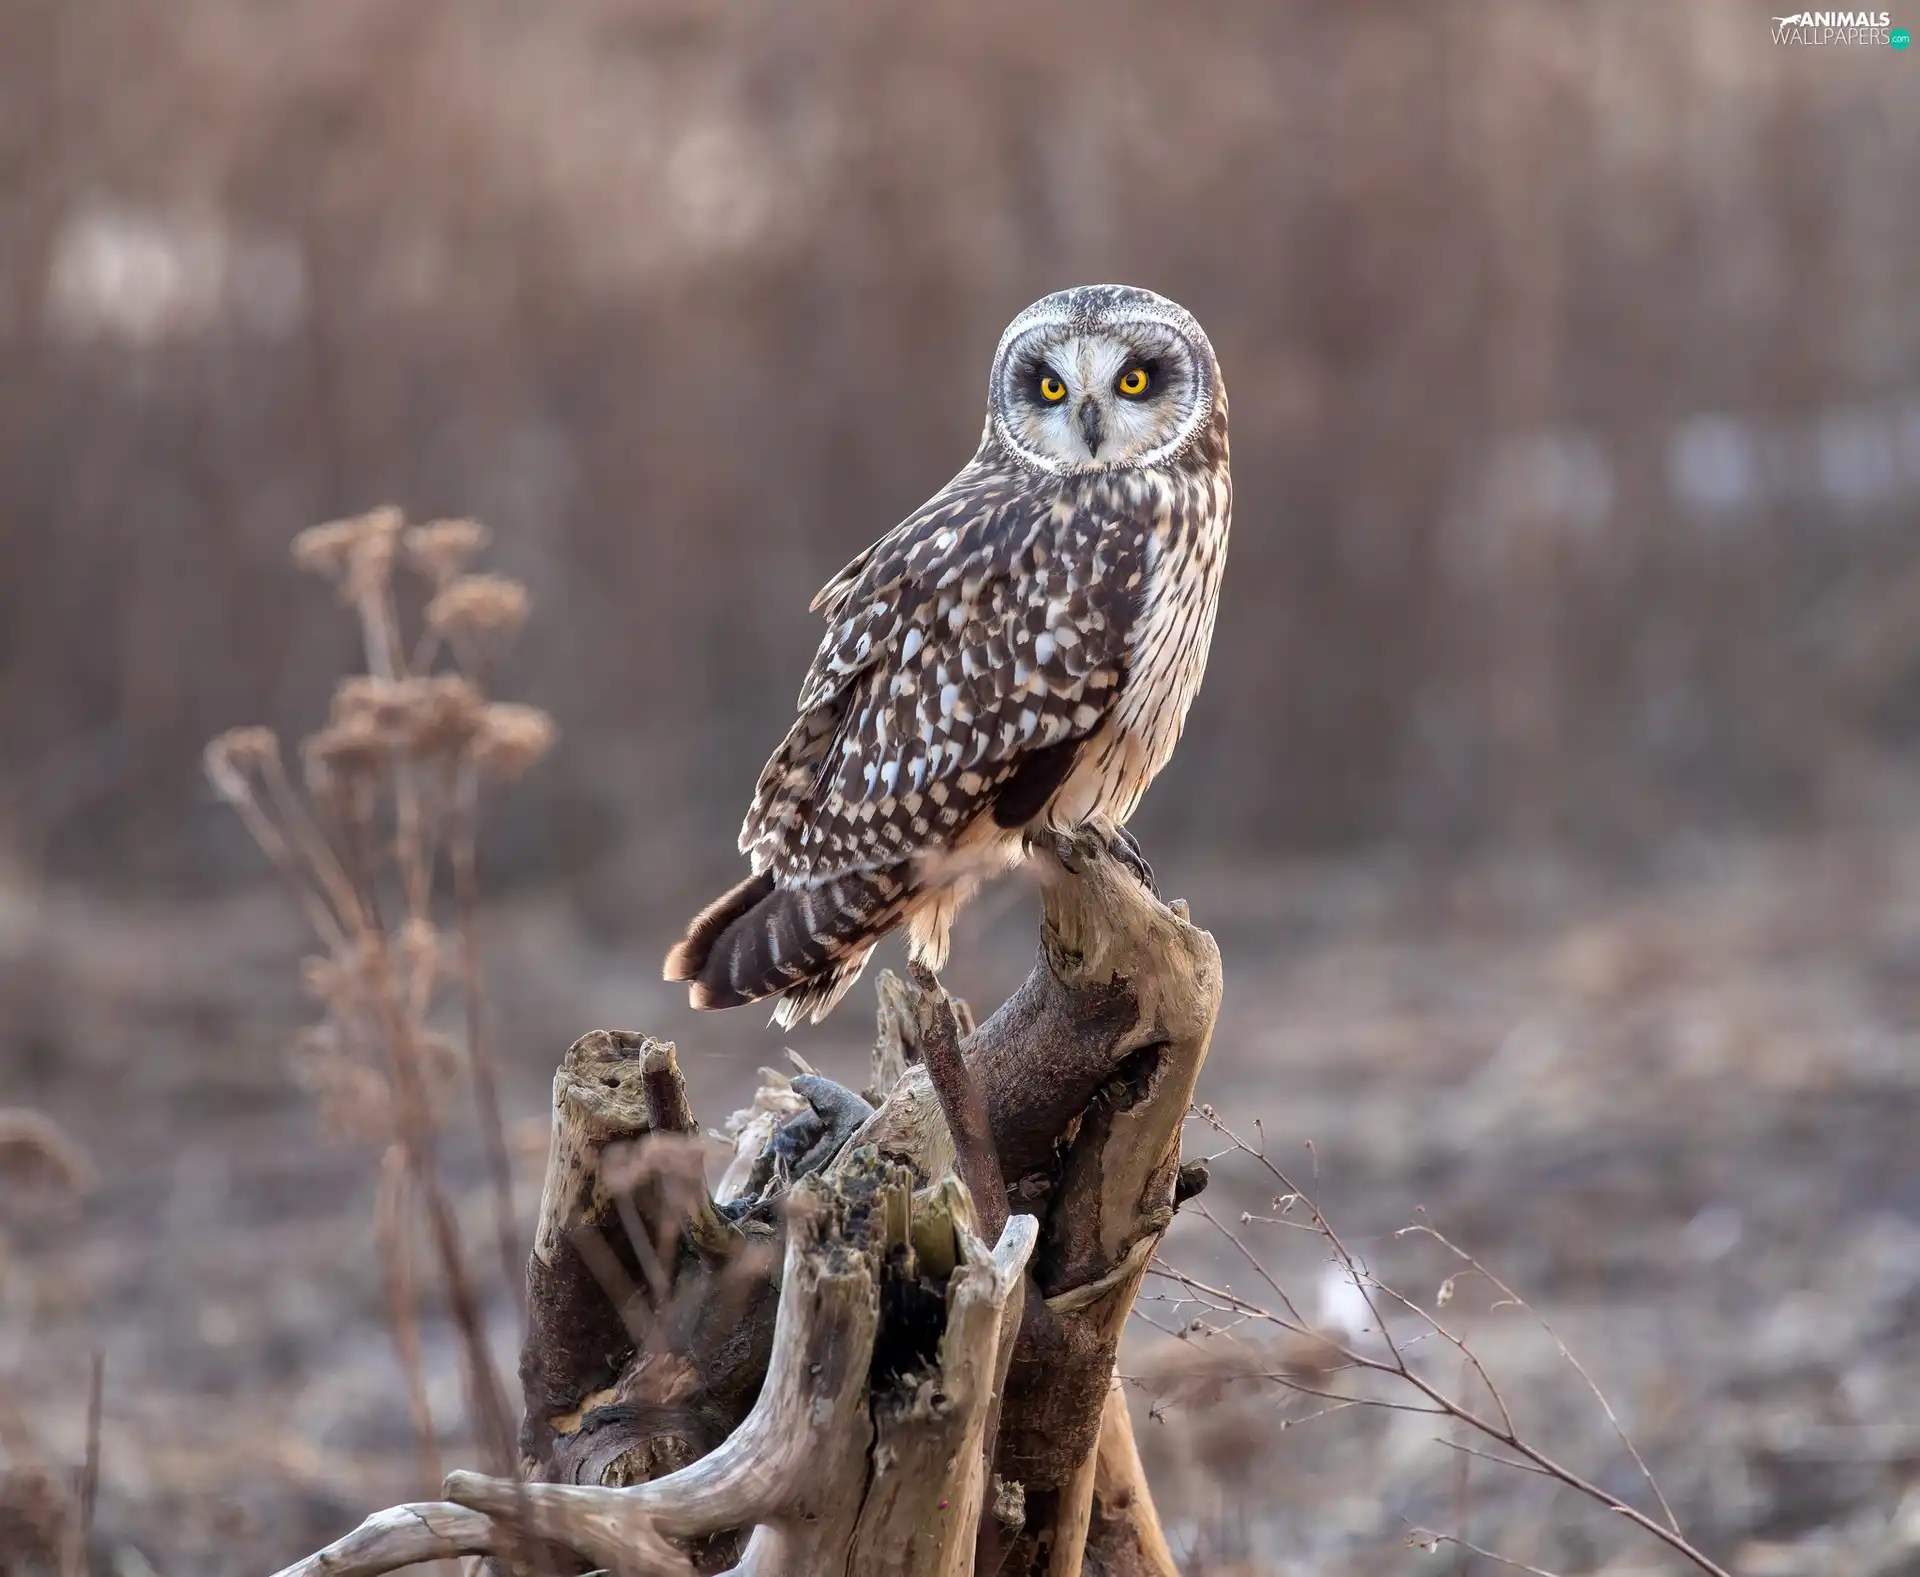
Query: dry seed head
[[349, 753], [484, 611], [440, 1058], [35, 1150], [344, 550], [439, 550], [233, 758], [368, 698], [451, 714], [411, 717], [338, 981], [343, 984], [512, 738], [372, 565], [355, 1100]]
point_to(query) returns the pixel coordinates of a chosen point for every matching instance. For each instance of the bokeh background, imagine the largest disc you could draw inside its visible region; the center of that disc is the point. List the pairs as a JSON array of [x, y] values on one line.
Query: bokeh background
[[1551, 791]]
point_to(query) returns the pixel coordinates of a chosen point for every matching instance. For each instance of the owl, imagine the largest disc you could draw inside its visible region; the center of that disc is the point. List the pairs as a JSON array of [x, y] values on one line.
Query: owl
[[1015, 657]]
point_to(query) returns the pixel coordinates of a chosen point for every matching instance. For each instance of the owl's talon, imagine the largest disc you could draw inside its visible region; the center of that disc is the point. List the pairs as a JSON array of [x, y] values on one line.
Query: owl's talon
[[1125, 848]]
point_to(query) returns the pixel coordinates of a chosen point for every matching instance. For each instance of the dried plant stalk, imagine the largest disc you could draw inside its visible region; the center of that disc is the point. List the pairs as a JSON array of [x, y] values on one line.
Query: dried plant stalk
[[391, 797], [403, 1314]]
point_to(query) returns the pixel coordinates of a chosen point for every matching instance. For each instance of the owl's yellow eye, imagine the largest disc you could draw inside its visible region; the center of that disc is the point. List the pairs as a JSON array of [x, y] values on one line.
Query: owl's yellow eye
[[1133, 382], [1052, 390]]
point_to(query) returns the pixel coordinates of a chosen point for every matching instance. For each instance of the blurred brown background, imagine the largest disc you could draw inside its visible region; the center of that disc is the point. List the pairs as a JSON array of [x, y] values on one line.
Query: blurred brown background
[[1566, 671]]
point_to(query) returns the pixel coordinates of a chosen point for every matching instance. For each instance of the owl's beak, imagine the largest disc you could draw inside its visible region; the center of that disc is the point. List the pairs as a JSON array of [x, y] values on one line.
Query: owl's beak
[[1091, 427]]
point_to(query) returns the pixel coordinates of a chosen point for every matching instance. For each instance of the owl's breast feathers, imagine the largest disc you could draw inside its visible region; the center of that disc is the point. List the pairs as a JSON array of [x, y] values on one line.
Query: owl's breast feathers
[[990, 627], [973, 651]]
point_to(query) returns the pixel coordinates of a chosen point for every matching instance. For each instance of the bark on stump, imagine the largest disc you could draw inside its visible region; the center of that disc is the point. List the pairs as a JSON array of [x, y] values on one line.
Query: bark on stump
[[809, 1376]]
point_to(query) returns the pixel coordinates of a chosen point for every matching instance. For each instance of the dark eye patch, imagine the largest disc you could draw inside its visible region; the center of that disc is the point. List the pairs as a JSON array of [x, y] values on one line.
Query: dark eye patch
[[1035, 373]]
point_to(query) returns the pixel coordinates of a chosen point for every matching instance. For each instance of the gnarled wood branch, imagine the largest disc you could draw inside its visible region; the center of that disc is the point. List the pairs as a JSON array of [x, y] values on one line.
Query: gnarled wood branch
[[402, 1536], [650, 1316], [698, 1400], [1102, 1043], [1124, 1537], [803, 1463]]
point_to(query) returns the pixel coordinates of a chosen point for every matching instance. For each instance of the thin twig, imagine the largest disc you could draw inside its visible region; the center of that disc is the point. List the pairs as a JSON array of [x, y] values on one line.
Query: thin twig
[[89, 1491], [1468, 1357], [275, 843], [1487, 1456], [486, 1093], [1463, 1487], [1509, 1295], [1424, 1539], [310, 846], [1467, 1416], [403, 1316], [1501, 1430]]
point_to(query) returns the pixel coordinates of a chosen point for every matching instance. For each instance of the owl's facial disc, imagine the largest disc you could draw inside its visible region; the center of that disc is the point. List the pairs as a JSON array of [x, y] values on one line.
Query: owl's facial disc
[[1073, 397]]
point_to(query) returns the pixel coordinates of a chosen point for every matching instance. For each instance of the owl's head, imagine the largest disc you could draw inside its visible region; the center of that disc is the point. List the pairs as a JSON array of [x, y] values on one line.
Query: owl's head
[[1102, 377]]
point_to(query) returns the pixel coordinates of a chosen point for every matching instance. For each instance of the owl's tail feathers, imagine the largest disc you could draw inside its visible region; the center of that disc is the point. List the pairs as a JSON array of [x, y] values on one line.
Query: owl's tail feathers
[[806, 945], [690, 954]]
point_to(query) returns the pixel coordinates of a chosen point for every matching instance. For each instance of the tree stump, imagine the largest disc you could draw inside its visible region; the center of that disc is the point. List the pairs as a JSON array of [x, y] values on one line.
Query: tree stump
[[825, 1366]]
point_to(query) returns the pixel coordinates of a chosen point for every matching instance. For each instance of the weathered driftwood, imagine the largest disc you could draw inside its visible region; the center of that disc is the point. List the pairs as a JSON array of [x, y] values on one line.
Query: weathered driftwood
[[1124, 1537], [1087, 1072], [699, 1399], [853, 1458], [650, 1317], [402, 1536], [843, 1464]]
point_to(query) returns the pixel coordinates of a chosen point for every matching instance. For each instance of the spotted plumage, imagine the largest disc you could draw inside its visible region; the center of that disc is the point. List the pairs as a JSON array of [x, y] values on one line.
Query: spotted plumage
[[1018, 653]]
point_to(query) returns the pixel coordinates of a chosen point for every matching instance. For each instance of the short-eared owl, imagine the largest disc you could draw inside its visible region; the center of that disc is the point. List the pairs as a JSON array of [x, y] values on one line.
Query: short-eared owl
[[1018, 654]]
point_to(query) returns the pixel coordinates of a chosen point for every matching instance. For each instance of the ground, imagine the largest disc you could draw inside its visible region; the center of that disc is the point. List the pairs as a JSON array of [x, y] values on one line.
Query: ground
[[1676, 1110]]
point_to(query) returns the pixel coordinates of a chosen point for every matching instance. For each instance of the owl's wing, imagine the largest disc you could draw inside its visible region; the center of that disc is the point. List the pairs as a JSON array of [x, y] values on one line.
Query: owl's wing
[[990, 626]]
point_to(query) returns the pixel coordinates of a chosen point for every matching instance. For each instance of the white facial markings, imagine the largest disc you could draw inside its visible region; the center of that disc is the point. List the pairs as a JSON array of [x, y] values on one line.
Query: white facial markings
[[1055, 436]]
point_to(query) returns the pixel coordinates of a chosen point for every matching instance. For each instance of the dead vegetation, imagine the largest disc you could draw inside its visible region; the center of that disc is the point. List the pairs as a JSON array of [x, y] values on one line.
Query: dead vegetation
[[46, 1507], [386, 825], [1267, 1340]]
